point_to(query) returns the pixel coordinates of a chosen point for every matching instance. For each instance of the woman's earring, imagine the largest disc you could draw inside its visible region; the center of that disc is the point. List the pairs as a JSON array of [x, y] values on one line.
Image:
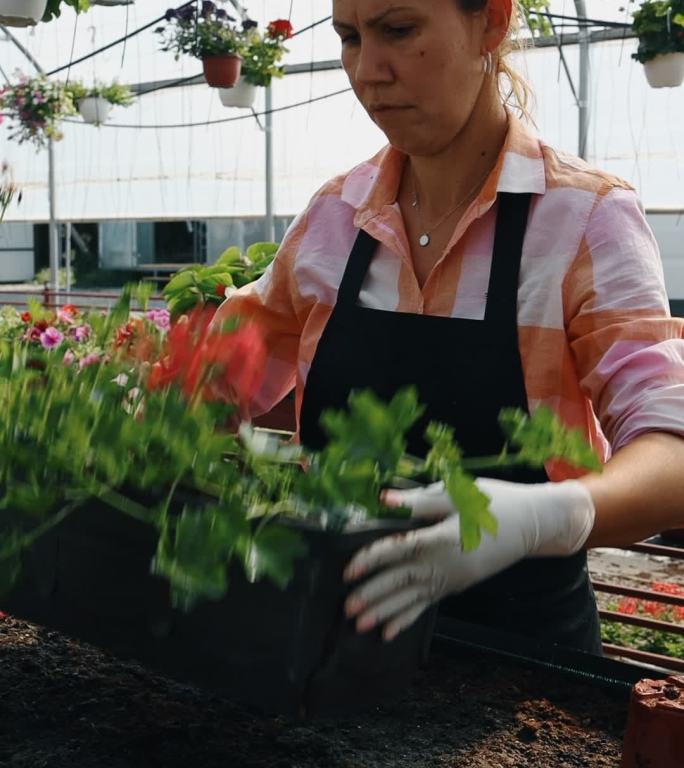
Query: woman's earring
[[487, 63]]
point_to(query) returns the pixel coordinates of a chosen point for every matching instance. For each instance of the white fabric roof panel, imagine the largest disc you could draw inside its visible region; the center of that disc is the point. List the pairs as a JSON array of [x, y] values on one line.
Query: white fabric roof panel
[[218, 170]]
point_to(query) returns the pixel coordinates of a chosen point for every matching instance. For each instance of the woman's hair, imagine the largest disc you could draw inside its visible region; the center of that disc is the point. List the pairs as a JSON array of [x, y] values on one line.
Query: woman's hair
[[514, 89]]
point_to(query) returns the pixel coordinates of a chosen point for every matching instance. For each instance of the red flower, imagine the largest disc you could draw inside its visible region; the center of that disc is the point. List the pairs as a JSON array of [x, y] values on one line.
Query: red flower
[[70, 309], [667, 588], [280, 28], [627, 605], [219, 365], [26, 317], [124, 334]]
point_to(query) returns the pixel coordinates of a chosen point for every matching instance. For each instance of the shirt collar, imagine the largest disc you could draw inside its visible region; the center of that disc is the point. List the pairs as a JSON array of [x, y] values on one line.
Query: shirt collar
[[519, 168]]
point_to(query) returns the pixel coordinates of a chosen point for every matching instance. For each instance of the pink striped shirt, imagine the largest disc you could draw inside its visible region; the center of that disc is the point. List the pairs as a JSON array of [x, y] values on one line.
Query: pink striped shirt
[[597, 342]]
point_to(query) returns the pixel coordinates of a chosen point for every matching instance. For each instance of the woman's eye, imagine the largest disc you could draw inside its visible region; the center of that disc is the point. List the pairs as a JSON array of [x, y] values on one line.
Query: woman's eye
[[399, 32], [347, 39]]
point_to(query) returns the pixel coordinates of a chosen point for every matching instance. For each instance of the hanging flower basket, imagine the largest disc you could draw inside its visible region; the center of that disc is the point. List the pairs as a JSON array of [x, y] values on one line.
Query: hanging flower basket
[[241, 96], [207, 33], [665, 71], [659, 25], [95, 102], [21, 13], [94, 109], [222, 71]]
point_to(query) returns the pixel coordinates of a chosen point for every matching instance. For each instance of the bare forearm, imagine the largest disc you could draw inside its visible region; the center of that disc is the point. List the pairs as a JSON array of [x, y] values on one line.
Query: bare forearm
[[640, 492]]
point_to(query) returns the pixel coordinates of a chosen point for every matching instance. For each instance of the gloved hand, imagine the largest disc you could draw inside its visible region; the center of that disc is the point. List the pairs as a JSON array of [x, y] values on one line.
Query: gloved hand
[[420, 567]]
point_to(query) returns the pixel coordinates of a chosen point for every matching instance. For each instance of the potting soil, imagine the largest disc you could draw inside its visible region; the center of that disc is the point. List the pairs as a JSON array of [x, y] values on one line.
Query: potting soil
[[67, 705]]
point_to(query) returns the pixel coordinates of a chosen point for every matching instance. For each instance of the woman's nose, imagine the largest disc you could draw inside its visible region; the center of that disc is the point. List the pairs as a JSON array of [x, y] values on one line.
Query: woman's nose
[[371, 66]]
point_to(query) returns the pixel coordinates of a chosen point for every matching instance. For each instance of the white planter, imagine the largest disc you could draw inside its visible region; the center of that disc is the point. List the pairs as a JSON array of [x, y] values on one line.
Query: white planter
[[21, 13], [94, 109], [665, 71], [243, 95]]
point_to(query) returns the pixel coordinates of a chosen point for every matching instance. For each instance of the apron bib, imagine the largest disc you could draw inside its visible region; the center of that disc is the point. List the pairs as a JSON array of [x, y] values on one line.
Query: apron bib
[[465, 372]]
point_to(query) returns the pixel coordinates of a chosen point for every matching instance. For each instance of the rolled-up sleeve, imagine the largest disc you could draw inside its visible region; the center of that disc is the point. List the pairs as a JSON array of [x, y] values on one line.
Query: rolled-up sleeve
[[628, 351]]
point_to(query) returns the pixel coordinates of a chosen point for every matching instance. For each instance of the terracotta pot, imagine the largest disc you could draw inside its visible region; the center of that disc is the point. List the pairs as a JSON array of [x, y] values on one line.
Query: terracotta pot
[[665, 71], [21, 13], [655, 727], [222, 71], [242, 96], [94, 109]]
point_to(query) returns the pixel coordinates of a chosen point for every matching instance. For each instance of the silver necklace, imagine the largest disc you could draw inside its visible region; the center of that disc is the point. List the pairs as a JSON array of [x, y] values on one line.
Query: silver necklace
[[425, 237]]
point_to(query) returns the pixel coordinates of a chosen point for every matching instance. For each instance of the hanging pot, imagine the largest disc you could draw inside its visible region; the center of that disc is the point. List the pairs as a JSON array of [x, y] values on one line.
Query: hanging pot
[[665, 71], [222, 71], [241, 96], [21, 13], [94, 109]]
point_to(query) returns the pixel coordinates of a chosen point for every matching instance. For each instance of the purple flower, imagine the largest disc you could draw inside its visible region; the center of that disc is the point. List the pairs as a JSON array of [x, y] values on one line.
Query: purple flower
[[161, 318], [172, 13], [248, 24], [51, 338], [208, 7], [186, 14]]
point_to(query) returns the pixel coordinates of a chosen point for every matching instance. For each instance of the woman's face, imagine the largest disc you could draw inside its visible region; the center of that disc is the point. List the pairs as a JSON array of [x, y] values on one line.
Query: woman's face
[[415, 66]]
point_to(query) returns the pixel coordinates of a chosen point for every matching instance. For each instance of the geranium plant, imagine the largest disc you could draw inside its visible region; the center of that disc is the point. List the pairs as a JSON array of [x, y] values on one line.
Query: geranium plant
[[200, 31], [36, 107], [141, 414], [210, 284], [263, 52], [114, 93], [659, 25]]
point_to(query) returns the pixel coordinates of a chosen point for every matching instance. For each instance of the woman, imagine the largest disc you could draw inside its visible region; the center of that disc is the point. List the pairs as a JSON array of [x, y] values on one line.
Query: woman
[[474, 262]]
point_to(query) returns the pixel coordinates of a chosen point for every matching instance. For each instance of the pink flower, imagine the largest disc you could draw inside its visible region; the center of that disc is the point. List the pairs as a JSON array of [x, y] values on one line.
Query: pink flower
[[65, 317], [92, 359], [161, 318], [69, 357], [81, 333], [51, 338]]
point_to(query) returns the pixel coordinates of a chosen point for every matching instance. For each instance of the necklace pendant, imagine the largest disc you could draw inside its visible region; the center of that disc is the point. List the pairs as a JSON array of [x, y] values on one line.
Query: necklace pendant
[[424, 240]]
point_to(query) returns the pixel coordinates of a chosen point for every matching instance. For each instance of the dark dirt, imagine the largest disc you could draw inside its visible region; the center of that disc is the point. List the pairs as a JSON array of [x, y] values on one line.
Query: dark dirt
[[67, 705]]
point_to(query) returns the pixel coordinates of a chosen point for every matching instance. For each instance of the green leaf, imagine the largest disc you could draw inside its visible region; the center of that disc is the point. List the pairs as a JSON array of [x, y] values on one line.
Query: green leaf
[[543, 437], [272, 553], [473, 509], [194, 551]]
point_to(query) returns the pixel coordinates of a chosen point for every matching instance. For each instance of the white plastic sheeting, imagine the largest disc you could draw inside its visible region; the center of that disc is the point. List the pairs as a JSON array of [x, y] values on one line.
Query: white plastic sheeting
[[218, 170]]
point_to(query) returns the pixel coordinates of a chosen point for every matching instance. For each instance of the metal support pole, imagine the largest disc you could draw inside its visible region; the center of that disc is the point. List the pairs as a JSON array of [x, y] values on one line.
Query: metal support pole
[[53, 228], [67, 257], [584, 41], [270, 223]]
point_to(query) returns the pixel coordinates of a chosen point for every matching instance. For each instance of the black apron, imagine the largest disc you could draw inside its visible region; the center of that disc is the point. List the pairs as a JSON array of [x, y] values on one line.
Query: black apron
[[465, 372]]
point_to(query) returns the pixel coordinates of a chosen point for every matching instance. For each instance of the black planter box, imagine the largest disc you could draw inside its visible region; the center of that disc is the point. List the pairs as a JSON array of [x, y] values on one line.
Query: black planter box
[[289, 652]]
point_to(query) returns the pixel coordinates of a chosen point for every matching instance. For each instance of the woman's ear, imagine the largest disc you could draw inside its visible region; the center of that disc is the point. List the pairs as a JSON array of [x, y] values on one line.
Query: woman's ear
[[498, 14]]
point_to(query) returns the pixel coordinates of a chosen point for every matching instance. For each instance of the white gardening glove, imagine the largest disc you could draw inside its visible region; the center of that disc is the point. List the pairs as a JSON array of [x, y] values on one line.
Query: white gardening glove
[[420, 567]]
